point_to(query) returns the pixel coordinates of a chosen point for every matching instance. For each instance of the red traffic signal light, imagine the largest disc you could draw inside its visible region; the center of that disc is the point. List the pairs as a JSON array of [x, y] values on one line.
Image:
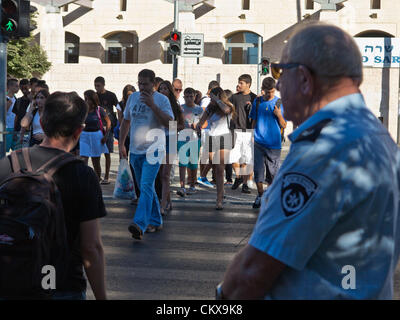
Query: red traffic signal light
[[175, 43]]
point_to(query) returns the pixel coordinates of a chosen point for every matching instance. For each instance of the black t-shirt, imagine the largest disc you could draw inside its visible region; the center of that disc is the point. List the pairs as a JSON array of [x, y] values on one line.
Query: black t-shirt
[[82, 200], [242, 107], [108, 99], [92, 122], [20, 110]]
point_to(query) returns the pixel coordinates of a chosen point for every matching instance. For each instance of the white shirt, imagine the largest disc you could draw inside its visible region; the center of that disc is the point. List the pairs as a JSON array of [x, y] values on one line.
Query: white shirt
[[144, 124], [10, 117]]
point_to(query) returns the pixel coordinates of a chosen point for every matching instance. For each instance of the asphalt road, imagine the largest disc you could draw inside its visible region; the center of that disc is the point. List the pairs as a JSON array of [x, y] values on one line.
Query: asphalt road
[[188, 257]]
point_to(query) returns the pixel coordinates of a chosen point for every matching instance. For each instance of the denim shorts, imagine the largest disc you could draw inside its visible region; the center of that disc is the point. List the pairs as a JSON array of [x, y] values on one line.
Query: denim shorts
[[266, 163]]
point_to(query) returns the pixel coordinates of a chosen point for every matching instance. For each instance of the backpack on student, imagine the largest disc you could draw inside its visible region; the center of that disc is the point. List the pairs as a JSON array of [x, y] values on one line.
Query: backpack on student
[[32, 228], [278, 104]]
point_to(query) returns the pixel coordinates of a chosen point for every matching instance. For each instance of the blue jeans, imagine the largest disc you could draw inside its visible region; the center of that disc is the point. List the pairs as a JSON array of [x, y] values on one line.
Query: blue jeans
[[148, 207]]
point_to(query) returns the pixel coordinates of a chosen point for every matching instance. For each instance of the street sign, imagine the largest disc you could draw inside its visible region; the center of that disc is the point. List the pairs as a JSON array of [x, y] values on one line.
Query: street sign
[[192, 45]]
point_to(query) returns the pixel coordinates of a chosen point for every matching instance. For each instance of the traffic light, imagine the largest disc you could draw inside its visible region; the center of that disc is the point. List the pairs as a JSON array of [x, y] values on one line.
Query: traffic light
[[264, 66], [15, 18], [174, 41]]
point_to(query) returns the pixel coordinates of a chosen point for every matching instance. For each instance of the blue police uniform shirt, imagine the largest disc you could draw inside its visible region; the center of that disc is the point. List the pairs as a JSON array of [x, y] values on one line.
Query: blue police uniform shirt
[[267, 131], [331, 214]]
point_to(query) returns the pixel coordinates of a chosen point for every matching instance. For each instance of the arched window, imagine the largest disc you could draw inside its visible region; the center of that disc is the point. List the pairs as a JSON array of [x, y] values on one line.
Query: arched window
[[122, 47], [242, 48], [71, 48]]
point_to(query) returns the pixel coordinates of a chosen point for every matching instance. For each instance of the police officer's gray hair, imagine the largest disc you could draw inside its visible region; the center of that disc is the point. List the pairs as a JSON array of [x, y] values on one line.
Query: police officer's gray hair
[[328, 51]]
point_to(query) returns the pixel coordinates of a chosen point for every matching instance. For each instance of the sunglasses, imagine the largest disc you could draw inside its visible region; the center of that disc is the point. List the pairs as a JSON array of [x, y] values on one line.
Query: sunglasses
[[178, 90], [277, 68]]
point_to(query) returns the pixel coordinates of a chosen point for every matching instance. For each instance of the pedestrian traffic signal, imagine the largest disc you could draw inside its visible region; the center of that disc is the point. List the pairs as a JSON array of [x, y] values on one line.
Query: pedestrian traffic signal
[[15, 18], [9, 17], [174, 41], [264, 66]]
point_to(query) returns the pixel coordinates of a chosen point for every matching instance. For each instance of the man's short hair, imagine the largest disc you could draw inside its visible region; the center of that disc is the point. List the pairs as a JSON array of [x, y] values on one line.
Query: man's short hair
[[158, 80], [24, 82], [100, 80], [147, 73], [321, 48], [11, 81], [189, 91], [33, 81], [246, 78], [268, 83], [63, 114], [42, 84], [176, 80], [213, 84]]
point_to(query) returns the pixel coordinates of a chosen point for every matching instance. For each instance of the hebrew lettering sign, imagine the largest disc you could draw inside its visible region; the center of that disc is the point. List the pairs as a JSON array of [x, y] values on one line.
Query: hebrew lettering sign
[[380, 52]]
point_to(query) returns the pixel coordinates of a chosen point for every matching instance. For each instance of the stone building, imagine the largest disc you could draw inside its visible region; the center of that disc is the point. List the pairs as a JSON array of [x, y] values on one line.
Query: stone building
[[118, 38]]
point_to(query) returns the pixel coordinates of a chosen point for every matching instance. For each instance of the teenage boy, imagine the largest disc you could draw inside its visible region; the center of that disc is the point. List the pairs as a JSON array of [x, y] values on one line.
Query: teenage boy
[[242, 100], [12, 89], [267, 121], [108, 100], [189, 140]]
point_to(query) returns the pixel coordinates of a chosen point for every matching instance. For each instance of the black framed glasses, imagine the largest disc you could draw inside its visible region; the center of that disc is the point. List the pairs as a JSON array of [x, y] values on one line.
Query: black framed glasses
[[277, 68]]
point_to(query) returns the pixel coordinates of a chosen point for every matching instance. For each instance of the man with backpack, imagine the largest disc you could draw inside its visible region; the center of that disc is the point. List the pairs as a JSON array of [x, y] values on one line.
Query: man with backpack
[[267, 122], [50, 203]]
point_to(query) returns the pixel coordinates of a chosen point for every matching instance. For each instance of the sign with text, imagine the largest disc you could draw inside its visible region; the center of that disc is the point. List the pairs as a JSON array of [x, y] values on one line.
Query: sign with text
[[380, 52], [192, 45]]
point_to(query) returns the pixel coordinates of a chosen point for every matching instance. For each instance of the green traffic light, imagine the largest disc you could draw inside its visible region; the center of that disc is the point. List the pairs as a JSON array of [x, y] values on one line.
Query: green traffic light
[[9, 26]]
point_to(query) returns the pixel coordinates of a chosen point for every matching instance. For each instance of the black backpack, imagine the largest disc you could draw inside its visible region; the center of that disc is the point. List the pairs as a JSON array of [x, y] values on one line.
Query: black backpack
[[32, 227]]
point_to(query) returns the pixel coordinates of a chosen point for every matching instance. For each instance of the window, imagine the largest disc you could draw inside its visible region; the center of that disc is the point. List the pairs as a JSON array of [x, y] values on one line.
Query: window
[[122, 5], [242, 48], [65, 8], [122, 47], [309, 4], [71, 48], [375, 4], [245, 4]]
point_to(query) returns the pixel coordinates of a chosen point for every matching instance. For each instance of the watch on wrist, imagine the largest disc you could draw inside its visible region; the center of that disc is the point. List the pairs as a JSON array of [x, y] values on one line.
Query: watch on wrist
[[219, 295]]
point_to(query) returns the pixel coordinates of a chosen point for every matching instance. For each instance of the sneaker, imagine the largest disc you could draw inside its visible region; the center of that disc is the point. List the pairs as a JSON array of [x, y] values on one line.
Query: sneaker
[[251, 184], [181, 192], [191, 190], [257, 203], [238, 182], [137, 233], [152, 229], [205, 182], [228, 183], [245, 189]]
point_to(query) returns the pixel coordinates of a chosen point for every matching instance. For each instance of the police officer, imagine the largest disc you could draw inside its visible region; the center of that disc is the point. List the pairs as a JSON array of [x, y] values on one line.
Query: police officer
[[328, 226]]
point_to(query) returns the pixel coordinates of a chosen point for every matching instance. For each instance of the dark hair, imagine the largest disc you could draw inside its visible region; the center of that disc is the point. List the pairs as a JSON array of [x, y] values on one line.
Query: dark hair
[[42, 84], [228, 93], [93, 97], [63, 113], [43, 92], [33, 80], [176, 109], [197, 99], [214, 108], [100, 80], [158, 80], [10, 81], [246, 78], [125, 91], [146, 73], [190, 91], [268, 83], [24, 82], [213, 84]]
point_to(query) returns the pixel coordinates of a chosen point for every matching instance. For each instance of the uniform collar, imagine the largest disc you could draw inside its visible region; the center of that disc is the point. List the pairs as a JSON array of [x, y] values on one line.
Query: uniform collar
[[331, 111]]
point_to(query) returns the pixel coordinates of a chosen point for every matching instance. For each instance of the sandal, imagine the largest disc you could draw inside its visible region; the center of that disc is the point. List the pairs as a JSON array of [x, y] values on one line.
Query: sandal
[[219, 206], [105, 181]]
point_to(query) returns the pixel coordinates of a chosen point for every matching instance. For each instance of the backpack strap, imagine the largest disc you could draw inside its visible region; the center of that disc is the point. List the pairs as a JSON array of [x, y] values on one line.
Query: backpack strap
[[25, 154], [15, 162], [17, 165], [55, 163]]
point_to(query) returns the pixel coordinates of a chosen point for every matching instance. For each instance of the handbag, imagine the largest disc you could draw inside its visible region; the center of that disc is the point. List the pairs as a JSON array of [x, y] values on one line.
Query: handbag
[[101, 122]]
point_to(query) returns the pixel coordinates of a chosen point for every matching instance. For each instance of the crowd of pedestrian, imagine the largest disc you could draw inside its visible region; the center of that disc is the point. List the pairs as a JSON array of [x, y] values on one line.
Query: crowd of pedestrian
[[318, 214]]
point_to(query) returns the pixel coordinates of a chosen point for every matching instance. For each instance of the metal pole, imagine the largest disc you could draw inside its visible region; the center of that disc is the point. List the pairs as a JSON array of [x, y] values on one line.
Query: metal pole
[[3, 88], [176, 26], [260, 43]]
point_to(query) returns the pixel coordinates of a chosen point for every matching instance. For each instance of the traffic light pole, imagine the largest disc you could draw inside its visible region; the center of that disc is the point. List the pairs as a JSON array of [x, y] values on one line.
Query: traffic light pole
[[259, 66], [3, 88], [176, 26]]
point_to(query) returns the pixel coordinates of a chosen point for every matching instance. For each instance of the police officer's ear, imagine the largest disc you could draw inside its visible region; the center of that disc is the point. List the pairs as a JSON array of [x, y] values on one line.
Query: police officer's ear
[[305, 81]]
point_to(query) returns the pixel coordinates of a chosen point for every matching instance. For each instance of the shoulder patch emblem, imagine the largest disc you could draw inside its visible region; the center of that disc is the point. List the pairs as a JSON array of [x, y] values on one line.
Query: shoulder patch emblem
[[312, 133], [297, 190]]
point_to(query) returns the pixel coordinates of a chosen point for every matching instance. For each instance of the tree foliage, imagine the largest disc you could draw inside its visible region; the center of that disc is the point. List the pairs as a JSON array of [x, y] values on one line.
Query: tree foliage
[[25, 57]]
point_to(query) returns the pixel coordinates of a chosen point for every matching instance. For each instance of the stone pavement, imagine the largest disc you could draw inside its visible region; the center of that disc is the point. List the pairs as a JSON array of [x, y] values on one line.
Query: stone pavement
[[189, 256]]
